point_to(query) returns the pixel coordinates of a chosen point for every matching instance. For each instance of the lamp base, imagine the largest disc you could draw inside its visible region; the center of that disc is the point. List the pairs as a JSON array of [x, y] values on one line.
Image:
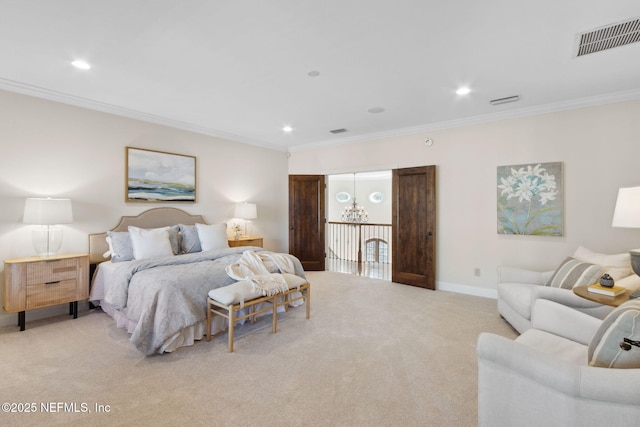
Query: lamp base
[[635, 261], [47, 240]]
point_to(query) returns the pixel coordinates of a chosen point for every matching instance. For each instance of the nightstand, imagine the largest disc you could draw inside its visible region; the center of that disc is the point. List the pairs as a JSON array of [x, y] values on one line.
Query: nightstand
[[246, 241], [36, 282]]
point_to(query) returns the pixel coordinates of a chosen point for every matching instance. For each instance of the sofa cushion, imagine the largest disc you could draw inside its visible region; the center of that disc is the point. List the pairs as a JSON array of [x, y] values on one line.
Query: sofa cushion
[[572, 272], [617, 266], [605, 350], [554, 345]]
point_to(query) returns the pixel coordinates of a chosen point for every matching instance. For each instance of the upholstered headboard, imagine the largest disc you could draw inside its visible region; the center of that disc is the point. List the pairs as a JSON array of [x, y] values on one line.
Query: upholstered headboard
[[153, 218]]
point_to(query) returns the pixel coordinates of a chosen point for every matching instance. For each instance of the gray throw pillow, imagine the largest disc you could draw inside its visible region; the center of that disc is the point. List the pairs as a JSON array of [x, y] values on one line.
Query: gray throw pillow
[[574, 273], [174, 239], [190, 241], [605, 350], [120, 246]]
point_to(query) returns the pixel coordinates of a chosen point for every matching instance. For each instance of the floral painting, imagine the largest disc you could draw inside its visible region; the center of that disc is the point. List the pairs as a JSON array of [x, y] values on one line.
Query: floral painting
[[530, 199], [156, 176]]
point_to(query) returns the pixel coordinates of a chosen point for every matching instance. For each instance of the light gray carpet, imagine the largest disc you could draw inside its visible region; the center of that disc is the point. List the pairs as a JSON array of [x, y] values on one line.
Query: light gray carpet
[[374, 353]]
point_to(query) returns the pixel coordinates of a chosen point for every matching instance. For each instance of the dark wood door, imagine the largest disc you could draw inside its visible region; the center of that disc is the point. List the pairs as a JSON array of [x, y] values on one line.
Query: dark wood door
[[307, 220], [414, 226]]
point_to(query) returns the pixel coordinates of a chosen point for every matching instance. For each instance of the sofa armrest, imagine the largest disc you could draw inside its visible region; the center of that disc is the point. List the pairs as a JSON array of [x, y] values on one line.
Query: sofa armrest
[[522, 363], [563, 321], [507, 274], [561, 296]]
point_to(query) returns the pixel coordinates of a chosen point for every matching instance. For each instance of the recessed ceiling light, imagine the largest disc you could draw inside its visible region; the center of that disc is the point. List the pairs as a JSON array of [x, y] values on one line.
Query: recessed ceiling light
[[79, 63], [287, 129], [464, 90], [375, 110]]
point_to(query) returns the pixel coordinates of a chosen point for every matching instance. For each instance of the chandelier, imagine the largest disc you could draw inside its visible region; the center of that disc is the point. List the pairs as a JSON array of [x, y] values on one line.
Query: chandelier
[[354, 213]]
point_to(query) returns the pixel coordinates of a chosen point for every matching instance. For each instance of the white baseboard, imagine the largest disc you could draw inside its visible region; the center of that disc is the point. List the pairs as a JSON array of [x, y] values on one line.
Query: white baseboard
[[466, 289]]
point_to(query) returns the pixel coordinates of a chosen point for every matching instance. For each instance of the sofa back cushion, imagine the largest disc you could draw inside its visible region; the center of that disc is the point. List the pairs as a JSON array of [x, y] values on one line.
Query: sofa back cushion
[[572, 272], [617, 266], [605, 350]]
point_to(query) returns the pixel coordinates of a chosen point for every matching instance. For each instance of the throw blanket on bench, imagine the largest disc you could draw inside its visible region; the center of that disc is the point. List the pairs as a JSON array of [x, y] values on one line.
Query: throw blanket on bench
[[251, 266]]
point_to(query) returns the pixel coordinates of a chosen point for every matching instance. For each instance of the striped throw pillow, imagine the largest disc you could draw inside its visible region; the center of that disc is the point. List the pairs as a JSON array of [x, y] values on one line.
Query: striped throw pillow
[[622, 323], [574, 273]]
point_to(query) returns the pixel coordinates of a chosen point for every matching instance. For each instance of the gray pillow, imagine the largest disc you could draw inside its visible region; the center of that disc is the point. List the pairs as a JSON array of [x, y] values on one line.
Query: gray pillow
[[573, 273], [190, 241], [174, 239], [120, 246], [605, 350]]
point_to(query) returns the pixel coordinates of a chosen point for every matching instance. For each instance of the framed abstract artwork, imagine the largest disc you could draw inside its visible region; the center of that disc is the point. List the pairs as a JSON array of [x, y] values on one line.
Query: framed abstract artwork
[[156, 176], [530, 199]]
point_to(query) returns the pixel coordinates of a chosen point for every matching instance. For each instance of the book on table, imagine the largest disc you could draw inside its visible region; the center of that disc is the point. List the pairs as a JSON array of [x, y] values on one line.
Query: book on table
[[612, 292]]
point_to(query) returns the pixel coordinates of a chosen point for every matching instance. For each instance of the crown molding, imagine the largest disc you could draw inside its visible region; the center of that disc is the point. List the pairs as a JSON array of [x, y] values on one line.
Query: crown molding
[[484, 118], [65, 98], [77, 101]]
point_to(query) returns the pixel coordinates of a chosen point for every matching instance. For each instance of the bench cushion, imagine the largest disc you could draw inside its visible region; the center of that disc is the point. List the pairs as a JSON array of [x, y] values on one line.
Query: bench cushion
[[242, 291]]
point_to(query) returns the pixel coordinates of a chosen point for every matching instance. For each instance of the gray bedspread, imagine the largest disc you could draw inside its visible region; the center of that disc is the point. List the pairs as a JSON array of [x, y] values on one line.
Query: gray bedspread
[[165, 295]]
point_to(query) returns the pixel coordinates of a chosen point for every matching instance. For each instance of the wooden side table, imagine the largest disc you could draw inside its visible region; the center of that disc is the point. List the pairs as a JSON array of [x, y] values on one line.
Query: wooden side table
[[582, 291], [36, 282], [246, 241]]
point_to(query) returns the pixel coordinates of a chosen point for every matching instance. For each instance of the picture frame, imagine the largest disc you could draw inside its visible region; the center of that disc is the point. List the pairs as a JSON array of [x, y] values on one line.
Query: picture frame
[[159, 177], [531, 199]]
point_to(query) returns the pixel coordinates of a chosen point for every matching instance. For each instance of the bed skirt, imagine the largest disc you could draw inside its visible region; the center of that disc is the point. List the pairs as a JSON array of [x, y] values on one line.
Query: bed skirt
[[187, 336]]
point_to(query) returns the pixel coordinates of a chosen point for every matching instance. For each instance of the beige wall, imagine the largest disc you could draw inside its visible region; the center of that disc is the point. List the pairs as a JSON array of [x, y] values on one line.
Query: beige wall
[[600, 151], [52, 149]]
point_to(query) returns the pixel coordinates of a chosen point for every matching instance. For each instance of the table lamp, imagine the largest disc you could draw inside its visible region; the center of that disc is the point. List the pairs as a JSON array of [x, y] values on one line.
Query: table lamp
[[627, 215], [246, 211], [47, 213]]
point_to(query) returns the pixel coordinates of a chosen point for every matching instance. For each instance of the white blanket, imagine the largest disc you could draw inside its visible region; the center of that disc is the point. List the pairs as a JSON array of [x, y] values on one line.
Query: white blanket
[[251, 266]]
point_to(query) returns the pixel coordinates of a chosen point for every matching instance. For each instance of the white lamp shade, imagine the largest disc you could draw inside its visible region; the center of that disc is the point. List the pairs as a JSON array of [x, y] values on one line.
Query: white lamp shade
[[627, 211], [246, 211], [47, 211]]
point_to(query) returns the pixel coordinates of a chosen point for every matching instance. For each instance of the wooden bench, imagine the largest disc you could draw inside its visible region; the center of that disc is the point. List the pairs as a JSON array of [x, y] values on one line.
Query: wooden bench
[[228, 300]]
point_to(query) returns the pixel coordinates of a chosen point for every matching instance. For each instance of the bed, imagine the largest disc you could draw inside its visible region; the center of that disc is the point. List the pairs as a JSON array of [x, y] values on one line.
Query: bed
[[159, 295]]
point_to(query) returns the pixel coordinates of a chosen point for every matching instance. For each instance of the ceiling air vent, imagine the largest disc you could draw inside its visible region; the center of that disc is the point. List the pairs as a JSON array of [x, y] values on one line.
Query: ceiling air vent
[[337, 131], [608, 37]]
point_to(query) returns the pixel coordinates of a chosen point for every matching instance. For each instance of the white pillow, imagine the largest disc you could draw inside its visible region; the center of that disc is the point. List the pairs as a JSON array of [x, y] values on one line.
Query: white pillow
[[212, 236], [617, 266], [150, 243]]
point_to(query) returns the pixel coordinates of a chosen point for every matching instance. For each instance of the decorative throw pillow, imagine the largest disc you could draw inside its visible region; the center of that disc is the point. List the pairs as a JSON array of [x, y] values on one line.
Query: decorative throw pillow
[[150, 243], [574, 273], [605, 349], [617, 266], [212, 236], [119, 246], [190, 241], [174, 239]]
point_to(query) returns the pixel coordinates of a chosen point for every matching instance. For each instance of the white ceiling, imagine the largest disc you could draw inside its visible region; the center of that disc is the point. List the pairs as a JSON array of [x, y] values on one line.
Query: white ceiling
[[239, 69]]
